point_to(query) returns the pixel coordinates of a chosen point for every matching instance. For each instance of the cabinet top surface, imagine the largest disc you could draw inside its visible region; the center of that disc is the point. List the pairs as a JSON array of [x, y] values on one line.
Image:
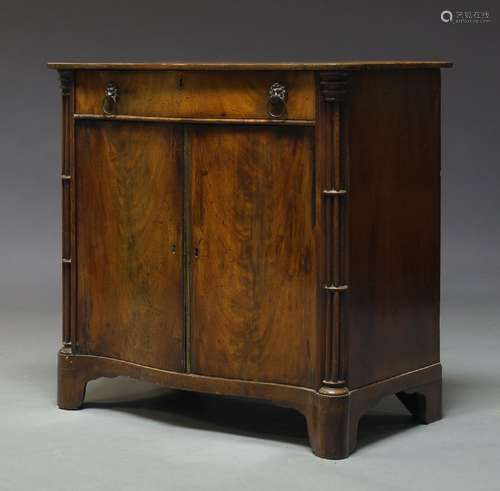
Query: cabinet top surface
[[341, 65]]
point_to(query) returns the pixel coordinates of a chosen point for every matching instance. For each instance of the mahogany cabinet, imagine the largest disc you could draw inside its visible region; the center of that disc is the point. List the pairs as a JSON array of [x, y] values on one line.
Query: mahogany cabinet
[[256, 230]]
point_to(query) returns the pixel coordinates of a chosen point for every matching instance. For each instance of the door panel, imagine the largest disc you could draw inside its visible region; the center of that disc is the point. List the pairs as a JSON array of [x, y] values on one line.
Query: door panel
[[253, 286], [129, 242]]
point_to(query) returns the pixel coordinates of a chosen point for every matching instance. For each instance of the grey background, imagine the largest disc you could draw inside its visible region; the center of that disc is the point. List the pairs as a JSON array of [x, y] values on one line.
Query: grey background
[[137, 436]]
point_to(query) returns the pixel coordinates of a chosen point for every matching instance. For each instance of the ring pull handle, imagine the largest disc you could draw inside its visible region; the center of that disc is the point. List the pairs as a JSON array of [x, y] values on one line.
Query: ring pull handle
[[276, 103], [111, 98]]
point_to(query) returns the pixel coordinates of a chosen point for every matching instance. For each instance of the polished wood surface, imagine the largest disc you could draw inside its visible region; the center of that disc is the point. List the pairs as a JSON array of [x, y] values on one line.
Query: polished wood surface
[[130, 247], [316, 66], [192, 94], [254, 267], [221, 251], [394, 210]]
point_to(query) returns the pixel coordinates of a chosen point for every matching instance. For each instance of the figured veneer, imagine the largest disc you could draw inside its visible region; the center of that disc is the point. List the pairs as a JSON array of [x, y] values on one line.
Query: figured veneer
[[129, 211]]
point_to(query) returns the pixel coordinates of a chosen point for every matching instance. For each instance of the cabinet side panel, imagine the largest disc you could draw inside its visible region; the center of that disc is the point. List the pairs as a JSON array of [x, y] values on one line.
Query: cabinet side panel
[[254, 266], [129, 242], [394, 216]]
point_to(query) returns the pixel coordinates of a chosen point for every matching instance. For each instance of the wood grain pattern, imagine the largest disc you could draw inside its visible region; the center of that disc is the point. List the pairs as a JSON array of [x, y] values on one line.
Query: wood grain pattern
[[229, 94], [341, 65], [130, 286], [254, 288], [394, 215]]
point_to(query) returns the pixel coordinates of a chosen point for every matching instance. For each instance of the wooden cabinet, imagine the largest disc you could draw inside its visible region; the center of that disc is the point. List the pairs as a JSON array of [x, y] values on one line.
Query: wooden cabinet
[[267, 231]]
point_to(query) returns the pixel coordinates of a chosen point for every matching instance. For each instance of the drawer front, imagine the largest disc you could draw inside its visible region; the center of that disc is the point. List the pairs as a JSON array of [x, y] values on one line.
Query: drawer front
[[194, 94]]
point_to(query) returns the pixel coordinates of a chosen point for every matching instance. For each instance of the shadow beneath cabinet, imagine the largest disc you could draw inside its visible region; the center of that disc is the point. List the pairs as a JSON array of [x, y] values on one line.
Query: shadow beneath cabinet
[[257, 419]]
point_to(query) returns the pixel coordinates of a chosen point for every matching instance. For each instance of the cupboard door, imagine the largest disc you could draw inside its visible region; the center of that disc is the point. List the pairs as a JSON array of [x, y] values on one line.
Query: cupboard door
[[129, 242], [253, 285]]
